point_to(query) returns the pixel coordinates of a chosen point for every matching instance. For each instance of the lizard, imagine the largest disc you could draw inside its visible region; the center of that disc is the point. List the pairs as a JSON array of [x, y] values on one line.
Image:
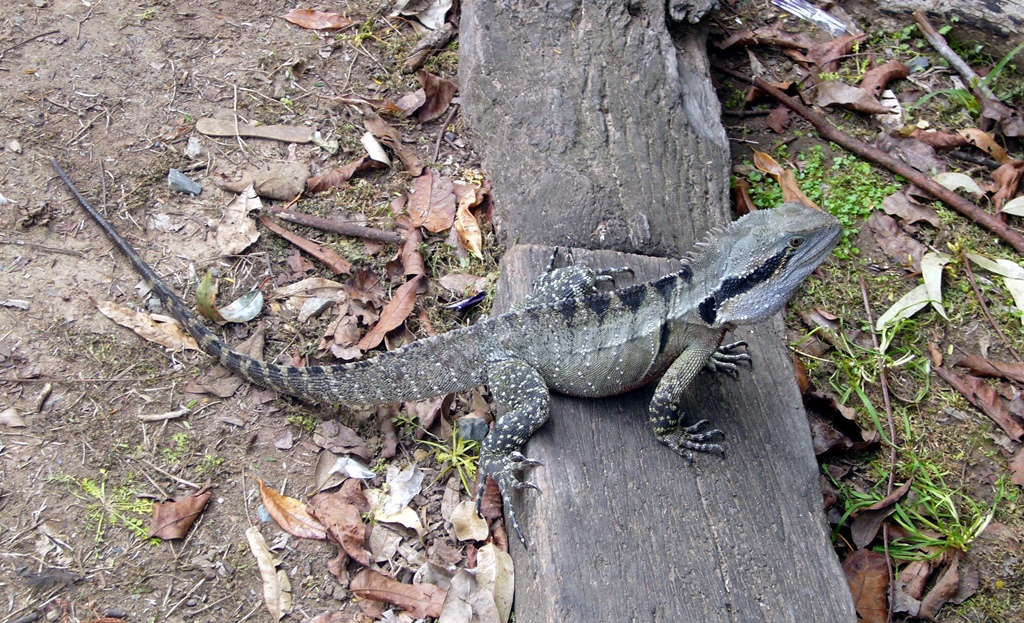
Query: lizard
[[566, 336]]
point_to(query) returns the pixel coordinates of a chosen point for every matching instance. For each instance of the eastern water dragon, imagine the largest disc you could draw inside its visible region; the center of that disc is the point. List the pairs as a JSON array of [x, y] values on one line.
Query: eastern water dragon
[[567, 337]]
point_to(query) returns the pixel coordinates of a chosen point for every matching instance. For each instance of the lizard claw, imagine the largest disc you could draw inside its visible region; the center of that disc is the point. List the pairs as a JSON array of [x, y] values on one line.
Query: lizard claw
[[689, 439], [725, 360], [503, 470]]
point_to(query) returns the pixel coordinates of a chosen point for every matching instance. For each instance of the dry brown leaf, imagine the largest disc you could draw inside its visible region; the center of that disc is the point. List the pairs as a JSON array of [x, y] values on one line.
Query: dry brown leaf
[[468, 601], [741, 196], [910, 587], [986, 143], [394, 313], [826, 55], [838, 93], [317, 20], [171, 520], [979, 394], [778, 119], [391, 137], [940, 140], [1007, 178], [344, 524], [167, 333], [291, 514], [336, 177], [945, 587], [328, 256], [1008, 119], [979, 366], [277, 590], [340, 439], [868, 577], [418, 600], [895, 242], [466, 224], [412, 259], [876, 78], [1016, 465], [431, 202], [438, 92], [785, 177], [901, 205]]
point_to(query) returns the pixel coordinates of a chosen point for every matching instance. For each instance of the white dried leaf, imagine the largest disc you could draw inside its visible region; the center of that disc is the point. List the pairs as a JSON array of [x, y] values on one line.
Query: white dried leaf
[[375, 149], [277, 590], [956, 181], [931, 270], [1014, 206], [468, 525], [495, 572], [910, 304], [236, 231], [244, 309]]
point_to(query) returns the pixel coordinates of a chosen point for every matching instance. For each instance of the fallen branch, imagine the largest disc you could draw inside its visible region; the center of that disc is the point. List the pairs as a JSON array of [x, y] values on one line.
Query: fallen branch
[[335, 262], [939, 43], [338, 227], [829, 132]]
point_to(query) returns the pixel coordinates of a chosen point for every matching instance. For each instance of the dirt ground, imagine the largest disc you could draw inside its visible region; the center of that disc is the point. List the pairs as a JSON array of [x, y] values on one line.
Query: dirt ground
[[106, 93], [111, 89]]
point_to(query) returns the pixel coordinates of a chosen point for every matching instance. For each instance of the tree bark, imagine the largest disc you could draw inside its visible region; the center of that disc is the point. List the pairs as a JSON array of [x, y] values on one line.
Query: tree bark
[[600, 129]]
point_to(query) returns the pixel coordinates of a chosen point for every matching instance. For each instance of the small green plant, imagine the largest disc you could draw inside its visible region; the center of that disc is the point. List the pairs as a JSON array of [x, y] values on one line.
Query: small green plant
[[965, 97], [117, 507], [210, 463], [460, 455], [933, 516], [180, 444], [849, 188]]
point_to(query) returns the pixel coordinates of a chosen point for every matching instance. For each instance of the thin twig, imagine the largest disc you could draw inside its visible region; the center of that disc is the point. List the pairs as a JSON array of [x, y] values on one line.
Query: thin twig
[[829, 132], [892, 438], [338, 227], [938, 42], [29, 40], [41, 247], [984, 308], [440, 133]]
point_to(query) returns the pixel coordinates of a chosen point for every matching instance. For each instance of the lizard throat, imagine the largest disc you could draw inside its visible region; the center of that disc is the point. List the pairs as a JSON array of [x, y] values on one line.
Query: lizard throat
[[735, 286]]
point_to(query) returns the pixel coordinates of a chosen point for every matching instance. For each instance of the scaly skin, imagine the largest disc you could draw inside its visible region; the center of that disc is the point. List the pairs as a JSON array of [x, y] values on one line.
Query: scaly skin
[[567, 337]]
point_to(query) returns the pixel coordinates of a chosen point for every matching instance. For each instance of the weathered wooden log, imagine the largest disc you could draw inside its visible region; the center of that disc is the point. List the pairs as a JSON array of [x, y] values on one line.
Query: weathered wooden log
[[599, 127]]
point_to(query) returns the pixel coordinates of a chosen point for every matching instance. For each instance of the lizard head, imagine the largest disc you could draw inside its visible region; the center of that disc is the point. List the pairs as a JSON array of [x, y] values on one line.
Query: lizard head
[[756, 263]]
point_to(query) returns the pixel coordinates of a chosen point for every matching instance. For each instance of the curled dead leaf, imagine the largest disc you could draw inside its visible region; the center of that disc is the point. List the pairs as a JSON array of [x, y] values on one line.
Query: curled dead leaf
[[418, 600], [394, 313], [291, 514]]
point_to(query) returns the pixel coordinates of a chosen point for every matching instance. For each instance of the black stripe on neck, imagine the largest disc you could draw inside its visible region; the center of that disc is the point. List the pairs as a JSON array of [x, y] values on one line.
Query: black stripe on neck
[[735, 286]]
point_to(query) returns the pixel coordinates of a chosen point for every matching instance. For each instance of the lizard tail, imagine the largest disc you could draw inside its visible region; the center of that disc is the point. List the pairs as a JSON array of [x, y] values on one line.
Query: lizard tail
[[450, 362]]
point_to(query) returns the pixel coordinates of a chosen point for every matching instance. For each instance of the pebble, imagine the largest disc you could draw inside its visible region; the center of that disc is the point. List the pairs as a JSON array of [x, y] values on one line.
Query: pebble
[[179, 183]]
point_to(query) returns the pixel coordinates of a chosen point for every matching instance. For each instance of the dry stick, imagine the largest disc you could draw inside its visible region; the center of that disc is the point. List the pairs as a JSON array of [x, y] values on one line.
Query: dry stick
[[892, 438], [827, 131], [338, 227], [29, 40], [939, 43], [440, 133], [984, 308]]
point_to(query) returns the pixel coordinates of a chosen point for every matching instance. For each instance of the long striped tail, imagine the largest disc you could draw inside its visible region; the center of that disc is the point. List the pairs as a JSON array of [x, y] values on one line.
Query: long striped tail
[[433, 367]]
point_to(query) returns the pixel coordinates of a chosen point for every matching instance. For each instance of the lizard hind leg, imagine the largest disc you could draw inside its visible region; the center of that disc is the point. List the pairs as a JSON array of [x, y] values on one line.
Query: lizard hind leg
[[521, 389]]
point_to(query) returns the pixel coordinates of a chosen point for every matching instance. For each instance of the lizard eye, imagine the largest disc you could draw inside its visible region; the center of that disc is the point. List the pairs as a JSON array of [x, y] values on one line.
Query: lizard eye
[[796, 242]]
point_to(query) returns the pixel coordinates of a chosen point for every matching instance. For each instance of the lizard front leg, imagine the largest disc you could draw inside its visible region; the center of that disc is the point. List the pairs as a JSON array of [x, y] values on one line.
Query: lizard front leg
[[664, 417], [522, 391]]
